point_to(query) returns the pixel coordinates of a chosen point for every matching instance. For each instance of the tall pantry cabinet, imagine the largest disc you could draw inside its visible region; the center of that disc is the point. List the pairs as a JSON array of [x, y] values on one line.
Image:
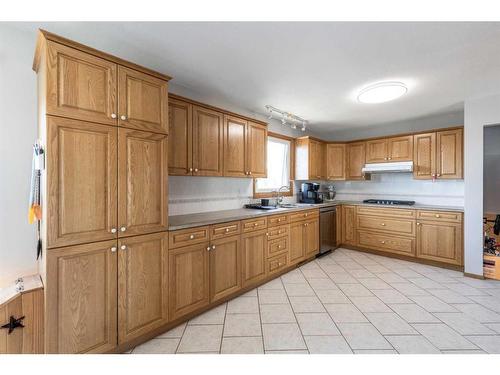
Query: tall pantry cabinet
[[103, 122]]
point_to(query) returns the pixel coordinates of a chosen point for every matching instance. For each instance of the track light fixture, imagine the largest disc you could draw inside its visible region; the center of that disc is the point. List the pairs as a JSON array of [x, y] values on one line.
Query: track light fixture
[[287, 118]]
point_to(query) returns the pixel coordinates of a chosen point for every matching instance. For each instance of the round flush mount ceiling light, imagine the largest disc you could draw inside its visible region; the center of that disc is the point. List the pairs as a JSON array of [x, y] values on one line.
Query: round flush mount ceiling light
[[382, 92]]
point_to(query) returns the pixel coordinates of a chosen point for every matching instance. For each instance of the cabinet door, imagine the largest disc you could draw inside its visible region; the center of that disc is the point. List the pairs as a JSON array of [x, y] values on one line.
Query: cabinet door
[[80, 85], [297, 248], [142, 182], [321, 160], [81, 298], [235, 147], [208, 140], [257, 150], [335, 162], [142, 285], [189, 279], [400, 148], [81, 182], [314, 160], [254, 247], [376, 151], [142, 101], [225, 267], [439, 241], [424, 156], [349, 225], [355, 160], [311, 237], [449, 154], [180, 133]]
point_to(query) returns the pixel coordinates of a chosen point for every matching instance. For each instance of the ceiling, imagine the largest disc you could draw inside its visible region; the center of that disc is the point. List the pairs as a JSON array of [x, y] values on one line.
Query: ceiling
[[313, 70]]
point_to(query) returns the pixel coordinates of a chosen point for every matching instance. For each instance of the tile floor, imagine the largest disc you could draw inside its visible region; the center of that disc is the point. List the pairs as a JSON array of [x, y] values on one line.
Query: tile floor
[[349, 302]]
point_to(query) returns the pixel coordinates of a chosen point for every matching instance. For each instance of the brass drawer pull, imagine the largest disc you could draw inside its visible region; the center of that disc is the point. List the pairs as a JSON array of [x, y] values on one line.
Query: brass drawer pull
[[383, 224], [191, 236]]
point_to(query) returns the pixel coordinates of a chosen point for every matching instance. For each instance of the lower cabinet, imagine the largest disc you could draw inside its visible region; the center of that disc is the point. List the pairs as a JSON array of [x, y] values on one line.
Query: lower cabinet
[[81, 315], [225, 267], [440, 241], [311, 237], [189, 279], [349, 225], [254, 248], [142, 285], [304, 240]]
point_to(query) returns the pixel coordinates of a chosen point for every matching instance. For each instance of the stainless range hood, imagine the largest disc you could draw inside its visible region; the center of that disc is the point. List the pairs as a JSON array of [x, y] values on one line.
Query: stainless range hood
[[402, 166]]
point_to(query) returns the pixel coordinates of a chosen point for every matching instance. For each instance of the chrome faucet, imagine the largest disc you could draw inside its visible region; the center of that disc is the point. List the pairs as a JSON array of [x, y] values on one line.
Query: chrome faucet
[[279, 197]]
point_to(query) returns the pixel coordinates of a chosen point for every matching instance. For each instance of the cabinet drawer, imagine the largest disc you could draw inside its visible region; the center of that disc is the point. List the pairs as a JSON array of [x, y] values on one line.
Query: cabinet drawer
[[385, 224], [278, 232], [453, 217], [185, 237], [277, 263], [383, 211], [393, 244], [303, 215], [278, 246], [225, 230], [251, 225], [278, 220]]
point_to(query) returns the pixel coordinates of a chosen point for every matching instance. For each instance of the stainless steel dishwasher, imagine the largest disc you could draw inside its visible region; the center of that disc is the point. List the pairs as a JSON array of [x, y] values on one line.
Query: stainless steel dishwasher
[[327, 229]]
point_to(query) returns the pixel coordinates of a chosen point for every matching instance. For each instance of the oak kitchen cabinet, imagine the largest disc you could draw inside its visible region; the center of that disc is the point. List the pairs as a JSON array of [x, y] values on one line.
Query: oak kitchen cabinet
[[389, 149], [254, 256], [96, 87], [142, 285], [335, 161], [103, 122], [205, 141], [81, 303], [310, 159], [304, 237], [349, 224], [438, 155], [225, 267], [245, 148], [355, 160]]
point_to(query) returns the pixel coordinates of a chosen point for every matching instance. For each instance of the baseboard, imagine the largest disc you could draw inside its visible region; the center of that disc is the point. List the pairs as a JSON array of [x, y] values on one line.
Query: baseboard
[[474, 276]]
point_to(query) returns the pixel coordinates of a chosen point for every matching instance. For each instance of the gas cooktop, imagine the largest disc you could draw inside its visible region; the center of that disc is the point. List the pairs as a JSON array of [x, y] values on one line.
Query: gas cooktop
[[389, 202]]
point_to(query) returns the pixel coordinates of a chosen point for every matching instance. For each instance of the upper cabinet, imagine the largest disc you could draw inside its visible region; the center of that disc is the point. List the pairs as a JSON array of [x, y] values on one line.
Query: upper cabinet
[[335, 161], [438, 155], [310, 159], [85, 84], [389, 149], [208, 142], [355, 160], [142, 101]]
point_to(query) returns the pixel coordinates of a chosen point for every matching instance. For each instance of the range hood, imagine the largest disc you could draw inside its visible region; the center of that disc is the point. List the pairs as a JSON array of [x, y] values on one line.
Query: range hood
[[402, 166]]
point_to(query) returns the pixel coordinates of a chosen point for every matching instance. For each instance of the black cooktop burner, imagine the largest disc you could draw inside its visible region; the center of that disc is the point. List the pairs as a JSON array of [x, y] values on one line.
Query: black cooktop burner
[[389, 202]]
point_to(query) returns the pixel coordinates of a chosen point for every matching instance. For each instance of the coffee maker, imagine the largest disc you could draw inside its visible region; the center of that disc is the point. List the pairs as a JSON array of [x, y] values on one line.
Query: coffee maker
[[310, 194]]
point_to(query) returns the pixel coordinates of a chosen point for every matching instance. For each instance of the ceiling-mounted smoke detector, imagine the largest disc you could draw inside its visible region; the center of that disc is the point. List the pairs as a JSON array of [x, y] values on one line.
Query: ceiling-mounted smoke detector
[[382, 92]]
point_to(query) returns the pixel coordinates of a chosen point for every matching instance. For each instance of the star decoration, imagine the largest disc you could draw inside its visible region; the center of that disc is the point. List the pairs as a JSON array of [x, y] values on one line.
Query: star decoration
[[13, 324]]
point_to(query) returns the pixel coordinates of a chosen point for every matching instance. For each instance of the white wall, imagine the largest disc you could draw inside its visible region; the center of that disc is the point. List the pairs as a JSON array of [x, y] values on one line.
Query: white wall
[[18, 130], [492, 169], [479, 112]]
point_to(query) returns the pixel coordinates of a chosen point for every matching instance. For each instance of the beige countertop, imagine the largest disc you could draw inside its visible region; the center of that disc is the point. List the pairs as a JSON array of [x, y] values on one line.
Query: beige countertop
[[214, 217]]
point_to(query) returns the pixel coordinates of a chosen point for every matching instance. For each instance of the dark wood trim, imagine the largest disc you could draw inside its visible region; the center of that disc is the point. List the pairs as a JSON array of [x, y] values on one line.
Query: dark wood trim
[[214, 108], [44, 34]]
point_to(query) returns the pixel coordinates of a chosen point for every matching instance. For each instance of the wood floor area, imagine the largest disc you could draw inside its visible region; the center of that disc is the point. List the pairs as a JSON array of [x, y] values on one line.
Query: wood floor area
[[349, 302]]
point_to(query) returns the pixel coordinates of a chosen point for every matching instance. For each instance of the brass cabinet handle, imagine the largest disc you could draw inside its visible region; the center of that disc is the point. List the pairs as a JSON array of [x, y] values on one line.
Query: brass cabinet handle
[[383, 224], [437, 215], [123, 229], [267, 234], [382, 241], [279, 246], [123, 247], [191, 236], [439, 174], [113, 115], [190, 169], [418, 223], [213, 247], [113, 230], [250, 173], [123, 117], [113, 249], [208, 248], [227, 230]]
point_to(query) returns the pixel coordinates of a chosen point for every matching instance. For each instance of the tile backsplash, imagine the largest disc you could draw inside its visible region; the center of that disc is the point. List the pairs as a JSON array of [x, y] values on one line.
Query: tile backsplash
[[201, 194]]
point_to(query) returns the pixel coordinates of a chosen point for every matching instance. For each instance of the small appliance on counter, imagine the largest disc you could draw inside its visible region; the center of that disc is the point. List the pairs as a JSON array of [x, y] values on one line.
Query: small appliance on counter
[[310, 193], [330, 192], [389, 202]]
